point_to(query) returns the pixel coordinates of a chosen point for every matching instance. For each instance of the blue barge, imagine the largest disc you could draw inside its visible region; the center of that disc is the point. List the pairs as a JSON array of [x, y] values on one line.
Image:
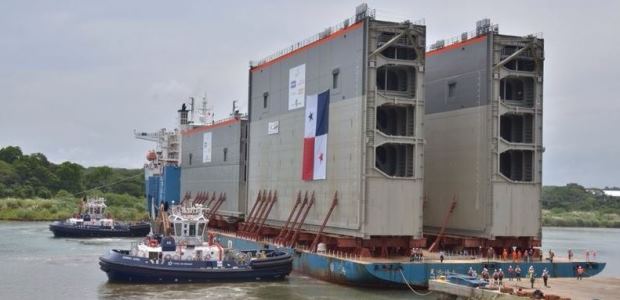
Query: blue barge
[[394, 273]]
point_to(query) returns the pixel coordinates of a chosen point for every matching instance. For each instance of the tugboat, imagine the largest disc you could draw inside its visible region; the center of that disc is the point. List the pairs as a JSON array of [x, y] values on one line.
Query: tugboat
[[93, 223], [182, 255]]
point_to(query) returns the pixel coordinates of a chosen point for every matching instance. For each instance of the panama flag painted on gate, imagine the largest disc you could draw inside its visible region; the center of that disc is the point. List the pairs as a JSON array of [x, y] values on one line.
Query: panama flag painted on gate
[[315, 136]]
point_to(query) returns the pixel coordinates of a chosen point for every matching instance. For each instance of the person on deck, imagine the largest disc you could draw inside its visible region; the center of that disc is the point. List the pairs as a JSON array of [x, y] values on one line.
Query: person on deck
[[514, 256], [580, 272], [441, 256], [531, 275], [485, 274], [518, 273], [545, 276], [570, 254], [501, 276], [505, 254], [490, 254], [551, 255], [511, 273]]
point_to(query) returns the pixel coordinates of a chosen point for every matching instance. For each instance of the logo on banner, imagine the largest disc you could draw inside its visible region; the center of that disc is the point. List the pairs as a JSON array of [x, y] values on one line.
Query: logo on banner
[[296, 87]]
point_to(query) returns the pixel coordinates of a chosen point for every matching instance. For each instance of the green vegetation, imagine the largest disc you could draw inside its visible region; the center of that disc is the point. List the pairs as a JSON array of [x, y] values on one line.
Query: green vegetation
[[64, 205], [32, 188], [573, 205]]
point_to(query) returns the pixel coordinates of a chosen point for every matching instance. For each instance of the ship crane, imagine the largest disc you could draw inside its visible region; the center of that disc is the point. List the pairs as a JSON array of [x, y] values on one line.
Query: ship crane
[[167, 144]]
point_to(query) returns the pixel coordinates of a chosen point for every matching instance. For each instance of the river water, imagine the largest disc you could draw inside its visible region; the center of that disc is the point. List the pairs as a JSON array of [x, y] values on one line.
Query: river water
[[34, 265]]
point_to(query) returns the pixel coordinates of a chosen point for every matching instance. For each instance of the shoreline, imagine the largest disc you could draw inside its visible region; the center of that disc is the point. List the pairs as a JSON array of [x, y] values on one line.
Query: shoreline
[[138, 220]]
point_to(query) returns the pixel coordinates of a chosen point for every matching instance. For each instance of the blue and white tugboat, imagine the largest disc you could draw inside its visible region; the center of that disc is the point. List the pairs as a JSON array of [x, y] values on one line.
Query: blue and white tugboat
[[93, 223], [184, 255]]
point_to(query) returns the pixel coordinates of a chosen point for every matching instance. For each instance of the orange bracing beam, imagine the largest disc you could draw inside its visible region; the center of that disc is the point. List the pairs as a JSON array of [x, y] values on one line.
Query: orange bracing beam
[[435, 244], [301, 209], [244, 224], [211, 201], [261, 212], [217, 205], [261, 200], [329, 213], [303, 220], [273, 200], [290, 216], [197, 198]]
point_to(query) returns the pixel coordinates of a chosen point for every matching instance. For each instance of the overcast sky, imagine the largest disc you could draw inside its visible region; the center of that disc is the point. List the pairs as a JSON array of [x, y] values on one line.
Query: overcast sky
[[76, 77]]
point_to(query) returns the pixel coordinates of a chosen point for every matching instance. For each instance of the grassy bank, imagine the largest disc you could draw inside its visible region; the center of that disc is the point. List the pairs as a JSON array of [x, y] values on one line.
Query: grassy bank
[[121, 207], [580, 219]]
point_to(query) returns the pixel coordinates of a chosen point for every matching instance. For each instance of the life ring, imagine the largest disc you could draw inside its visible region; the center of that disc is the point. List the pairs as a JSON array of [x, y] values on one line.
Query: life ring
[[177, 257], [167, 257], [153, 243]]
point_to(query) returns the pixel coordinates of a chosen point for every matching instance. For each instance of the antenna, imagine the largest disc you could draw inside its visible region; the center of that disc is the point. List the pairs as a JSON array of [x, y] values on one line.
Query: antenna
[[203, 111], [191, 103], [235, 108]]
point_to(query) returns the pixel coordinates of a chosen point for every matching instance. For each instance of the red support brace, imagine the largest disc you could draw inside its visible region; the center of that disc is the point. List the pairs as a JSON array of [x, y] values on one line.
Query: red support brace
[[318, 235], [443, 226], [217, 205], [273, 200], [285, 237], [290, 216], [303, 220], [197, 198], [211, 201], [261, 212], [251, 213], [261, 200]]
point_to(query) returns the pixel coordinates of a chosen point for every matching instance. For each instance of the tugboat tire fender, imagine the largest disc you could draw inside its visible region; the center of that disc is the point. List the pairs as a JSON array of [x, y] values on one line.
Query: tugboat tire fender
[[271, 263], [167, 257]]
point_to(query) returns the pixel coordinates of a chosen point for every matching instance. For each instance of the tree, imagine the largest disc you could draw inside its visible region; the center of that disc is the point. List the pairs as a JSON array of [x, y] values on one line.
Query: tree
[[8, 176], [10, 154], [98, 177], [70, 177], [34, 171]]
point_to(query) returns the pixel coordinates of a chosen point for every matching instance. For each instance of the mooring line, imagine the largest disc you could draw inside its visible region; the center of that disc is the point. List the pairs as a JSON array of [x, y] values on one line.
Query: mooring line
[[407, 283]]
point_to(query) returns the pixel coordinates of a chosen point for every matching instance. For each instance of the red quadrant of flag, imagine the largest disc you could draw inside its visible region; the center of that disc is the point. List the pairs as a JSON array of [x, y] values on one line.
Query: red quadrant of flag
[[308, 159]]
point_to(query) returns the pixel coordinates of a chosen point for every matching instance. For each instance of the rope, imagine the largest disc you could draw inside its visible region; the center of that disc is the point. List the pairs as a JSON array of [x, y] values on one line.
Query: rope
[[110, 184], [407, 283]]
